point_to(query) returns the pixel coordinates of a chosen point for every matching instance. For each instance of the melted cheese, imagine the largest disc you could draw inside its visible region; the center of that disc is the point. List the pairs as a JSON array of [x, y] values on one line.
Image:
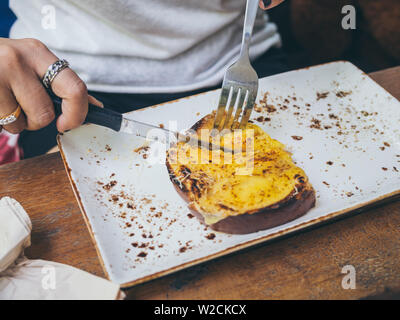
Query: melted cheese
[[221, 185]]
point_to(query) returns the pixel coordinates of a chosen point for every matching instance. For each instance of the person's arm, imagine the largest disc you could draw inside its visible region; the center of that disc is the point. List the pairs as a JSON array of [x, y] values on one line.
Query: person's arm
[[23, 63], [268, 4]]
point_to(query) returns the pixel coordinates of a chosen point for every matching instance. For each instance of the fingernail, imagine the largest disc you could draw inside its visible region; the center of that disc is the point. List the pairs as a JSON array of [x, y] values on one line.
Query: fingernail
[[267, 3]]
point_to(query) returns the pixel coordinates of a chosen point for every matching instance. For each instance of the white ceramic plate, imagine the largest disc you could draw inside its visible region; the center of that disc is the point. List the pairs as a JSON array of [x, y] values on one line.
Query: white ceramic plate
[[342, 128]]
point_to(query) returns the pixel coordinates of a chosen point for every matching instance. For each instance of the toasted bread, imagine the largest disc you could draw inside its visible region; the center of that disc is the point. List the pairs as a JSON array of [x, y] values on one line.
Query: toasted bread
[[259, 188]]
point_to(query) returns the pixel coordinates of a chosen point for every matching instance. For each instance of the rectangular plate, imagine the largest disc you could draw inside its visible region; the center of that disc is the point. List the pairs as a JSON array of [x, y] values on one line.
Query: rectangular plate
[[346, 138]]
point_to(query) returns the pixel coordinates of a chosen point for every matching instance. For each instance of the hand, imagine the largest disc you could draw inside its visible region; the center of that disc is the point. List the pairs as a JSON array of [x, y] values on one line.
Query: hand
[[23, 64], [268, 4]]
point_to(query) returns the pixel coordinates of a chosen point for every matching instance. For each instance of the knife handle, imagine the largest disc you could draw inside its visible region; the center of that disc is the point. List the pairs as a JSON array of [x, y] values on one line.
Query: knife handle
[[101, 116]]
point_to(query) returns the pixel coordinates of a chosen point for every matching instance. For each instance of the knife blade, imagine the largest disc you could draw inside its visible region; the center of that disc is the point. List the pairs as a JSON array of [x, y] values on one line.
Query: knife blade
[[120, 123]]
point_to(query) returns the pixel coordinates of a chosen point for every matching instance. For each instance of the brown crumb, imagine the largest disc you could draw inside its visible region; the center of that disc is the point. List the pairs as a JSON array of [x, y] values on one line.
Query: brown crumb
[[161, 126], [365, 113], [330, 163], [142, 254], [109, 185], [342, 94], [322, 95], [316, 124], [211, 236], [108, 148], [326, 183], [297, 138], [183, 249], [190, 216], [349, 194], [270, 108], [384, 169], [142, 148]]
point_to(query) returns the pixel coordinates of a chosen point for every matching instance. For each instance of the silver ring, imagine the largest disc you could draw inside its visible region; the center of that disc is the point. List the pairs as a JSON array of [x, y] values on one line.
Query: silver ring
[[53, 71]]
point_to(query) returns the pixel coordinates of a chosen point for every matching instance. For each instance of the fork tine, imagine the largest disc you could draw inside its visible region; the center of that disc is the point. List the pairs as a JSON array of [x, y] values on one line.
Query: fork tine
[[232, 104], [247, 110], [221, 106], [243, 98]]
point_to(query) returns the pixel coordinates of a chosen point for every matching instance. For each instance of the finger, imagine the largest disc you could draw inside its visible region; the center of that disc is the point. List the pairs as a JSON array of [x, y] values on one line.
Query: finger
[[67, 85], [8, 105], [268, 4], [33, 98], [96, 102]]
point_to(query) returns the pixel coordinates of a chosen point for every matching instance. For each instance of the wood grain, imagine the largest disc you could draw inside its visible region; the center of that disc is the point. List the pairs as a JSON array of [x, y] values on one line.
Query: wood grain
[[304, 266]]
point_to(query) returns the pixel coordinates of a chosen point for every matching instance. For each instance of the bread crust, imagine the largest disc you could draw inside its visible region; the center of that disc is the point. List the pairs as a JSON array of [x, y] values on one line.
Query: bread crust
[[292, 207]]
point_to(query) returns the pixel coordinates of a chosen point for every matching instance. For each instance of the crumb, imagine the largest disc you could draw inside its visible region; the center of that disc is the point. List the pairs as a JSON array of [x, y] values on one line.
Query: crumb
[[211, 236], [109, 185], [365, 113], [316, 124], [108, 148], [342, 94], [142, 254], [322, 95], [329, 163], [297, 138], [142, 148]]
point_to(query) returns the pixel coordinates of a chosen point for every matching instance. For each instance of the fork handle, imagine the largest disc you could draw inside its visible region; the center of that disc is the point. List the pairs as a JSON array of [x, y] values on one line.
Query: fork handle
[[250, 17]]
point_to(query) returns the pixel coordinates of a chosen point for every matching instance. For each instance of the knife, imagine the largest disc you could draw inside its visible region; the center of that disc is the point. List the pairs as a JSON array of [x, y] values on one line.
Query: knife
[[116, 121]]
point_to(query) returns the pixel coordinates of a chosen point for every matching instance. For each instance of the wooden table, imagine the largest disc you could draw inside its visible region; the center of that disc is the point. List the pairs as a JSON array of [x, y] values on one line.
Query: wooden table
[[303, 266]]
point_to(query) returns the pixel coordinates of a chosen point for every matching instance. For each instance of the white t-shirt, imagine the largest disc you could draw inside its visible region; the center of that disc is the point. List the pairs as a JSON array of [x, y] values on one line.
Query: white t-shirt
[[143, 46]]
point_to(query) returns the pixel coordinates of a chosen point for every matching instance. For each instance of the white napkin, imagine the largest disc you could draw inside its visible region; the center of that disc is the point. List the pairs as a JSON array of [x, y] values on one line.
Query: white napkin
[[21, 278]]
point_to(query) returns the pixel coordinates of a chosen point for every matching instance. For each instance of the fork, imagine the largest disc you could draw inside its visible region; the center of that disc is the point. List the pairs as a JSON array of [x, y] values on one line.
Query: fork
[[240, 85]]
